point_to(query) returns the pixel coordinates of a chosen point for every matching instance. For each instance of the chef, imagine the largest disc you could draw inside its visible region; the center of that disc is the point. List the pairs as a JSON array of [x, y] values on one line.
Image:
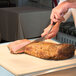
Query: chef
[[60, 13]]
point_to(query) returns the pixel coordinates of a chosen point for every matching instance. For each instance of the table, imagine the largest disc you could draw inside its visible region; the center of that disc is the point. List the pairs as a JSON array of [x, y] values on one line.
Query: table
[[22, 22]]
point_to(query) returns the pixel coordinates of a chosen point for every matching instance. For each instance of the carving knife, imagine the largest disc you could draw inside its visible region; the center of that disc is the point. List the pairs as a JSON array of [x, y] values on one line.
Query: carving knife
[[41, 38]]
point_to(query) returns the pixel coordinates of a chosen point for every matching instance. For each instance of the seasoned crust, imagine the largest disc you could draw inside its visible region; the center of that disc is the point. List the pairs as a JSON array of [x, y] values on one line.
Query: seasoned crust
[[48, 50]]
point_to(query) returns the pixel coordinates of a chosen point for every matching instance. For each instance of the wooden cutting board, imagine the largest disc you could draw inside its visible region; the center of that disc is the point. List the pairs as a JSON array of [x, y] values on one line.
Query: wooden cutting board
[[19, 64]]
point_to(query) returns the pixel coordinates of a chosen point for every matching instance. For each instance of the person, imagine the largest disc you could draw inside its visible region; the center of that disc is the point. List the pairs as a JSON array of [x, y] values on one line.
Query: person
[[58, 15]]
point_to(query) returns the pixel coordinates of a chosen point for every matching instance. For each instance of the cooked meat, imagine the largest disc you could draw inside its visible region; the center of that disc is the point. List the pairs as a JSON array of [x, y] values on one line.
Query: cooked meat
[[16, 45], [45, 50], [48, 50]]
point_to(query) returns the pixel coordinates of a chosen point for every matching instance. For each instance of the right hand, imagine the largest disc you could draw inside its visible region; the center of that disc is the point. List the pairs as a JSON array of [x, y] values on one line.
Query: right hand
[[59, 11]]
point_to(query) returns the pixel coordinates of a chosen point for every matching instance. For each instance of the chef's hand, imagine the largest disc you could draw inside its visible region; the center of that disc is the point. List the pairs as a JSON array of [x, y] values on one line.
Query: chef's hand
[[59, 11], [52, 33], [54, 30]]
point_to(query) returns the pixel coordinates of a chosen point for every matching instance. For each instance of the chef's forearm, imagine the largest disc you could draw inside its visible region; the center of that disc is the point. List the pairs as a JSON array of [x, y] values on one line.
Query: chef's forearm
[[71, 4]]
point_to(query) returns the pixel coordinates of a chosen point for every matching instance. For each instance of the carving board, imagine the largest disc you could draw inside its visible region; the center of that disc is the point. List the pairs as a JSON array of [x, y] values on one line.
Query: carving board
[[20, 64]]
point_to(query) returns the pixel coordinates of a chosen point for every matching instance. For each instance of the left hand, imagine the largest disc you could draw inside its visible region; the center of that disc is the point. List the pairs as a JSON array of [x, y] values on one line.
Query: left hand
[[52, 33], [54, 30]]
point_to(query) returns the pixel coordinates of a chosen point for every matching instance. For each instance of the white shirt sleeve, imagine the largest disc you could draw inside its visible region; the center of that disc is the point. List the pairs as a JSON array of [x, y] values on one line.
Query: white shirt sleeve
[[74, 15]]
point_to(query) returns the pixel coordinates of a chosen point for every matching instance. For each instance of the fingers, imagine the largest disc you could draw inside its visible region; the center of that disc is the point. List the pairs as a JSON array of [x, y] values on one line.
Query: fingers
[[56, 16], [57, 20], [51, 35], [62, 19], [46, 30], [43, 34], [52, 22]]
